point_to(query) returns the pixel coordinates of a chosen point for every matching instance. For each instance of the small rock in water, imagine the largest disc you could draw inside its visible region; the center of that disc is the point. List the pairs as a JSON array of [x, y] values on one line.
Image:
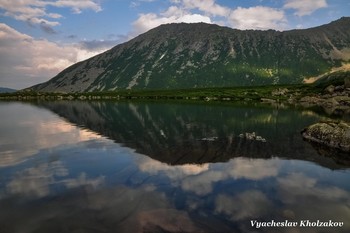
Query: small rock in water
[[252, 136], [211, 139], [259, 138], [331, 134]]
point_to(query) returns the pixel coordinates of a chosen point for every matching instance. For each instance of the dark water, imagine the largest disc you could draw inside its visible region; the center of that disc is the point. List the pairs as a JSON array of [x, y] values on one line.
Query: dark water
[[154, 167]]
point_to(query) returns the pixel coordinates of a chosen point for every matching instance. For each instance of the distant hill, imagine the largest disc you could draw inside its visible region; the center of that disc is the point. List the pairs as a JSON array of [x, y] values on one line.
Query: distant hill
[[6, 90], [206, 55]]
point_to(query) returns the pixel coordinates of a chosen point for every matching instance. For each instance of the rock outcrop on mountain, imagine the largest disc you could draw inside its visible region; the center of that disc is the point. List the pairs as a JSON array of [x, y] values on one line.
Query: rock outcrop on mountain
[[183, 55]]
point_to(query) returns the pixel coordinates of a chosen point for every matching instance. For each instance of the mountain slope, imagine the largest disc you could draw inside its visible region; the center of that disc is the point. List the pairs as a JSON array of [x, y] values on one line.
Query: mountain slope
[[206, 55]]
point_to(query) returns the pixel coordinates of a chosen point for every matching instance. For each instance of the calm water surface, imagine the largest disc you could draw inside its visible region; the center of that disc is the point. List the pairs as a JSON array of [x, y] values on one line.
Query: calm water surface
[[154, 167]]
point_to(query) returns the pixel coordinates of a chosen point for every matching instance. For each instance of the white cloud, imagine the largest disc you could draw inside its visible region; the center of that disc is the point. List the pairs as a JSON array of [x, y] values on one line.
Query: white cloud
[[207, 6], [258, 17], [194, 18], [77, 5], [173, 14], [305, 7], [35, 11], [174, 11], [208, 11], [27, 61]]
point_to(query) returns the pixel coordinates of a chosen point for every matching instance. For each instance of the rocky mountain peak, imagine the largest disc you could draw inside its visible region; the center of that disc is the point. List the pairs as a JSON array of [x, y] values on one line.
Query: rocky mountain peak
[[205, 55]]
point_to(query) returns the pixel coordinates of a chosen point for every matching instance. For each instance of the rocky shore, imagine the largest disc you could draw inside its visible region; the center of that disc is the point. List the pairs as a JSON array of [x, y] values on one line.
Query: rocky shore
[[333, 99]]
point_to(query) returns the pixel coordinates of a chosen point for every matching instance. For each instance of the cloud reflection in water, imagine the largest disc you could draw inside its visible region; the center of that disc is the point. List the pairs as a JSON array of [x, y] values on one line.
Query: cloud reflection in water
[[77, 181], [36, 181], [26, 130], [200, 178]]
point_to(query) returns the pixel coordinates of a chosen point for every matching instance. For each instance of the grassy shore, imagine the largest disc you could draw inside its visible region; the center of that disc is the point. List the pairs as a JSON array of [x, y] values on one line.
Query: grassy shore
[[257, 93], [271, 93]]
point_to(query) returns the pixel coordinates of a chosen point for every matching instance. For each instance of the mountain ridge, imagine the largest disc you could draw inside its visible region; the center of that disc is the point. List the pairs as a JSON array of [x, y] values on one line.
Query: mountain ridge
[[7, 90], [173, 56]]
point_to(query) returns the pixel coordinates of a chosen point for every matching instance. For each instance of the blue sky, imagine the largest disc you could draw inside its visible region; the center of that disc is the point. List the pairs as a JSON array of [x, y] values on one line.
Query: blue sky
[[39, 38]]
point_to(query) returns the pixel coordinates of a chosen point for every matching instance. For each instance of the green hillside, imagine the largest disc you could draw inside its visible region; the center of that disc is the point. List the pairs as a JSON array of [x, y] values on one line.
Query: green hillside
[[177, 56]]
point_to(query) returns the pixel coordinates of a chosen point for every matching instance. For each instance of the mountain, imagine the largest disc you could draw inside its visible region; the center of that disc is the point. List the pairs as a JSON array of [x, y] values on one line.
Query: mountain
[[205, 55], [6, 90]]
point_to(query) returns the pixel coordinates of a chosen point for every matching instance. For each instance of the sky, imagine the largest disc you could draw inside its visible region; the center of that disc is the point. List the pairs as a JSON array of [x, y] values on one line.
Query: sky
[[40, 38]]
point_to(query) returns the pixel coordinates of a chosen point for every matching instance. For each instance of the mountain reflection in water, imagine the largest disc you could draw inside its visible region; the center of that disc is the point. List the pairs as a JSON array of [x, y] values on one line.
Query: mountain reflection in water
[[168, 168], [197, 134]]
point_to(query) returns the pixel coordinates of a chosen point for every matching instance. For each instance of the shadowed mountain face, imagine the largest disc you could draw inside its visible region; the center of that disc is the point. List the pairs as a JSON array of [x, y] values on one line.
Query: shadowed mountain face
[[204, 55], [195, 134]]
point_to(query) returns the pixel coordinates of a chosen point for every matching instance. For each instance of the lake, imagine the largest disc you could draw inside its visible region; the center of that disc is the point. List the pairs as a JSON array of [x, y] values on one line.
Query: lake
[[79, 166]]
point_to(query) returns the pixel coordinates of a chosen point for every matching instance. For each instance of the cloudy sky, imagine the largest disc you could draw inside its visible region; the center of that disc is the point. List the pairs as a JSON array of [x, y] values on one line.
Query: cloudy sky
[[39, 38]]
